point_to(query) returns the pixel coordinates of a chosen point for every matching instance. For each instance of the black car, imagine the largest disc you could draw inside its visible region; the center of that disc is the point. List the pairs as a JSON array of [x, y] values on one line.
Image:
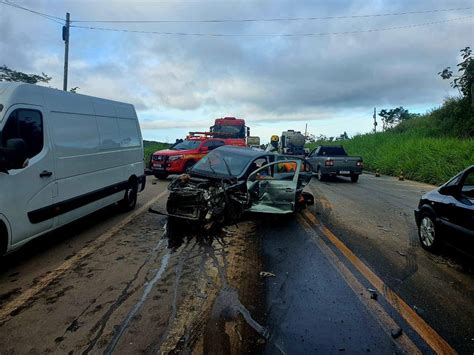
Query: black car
[[447, 213]]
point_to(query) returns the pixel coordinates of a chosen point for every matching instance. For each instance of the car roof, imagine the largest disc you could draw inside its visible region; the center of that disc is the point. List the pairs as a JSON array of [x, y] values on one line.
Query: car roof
[[245, 151]]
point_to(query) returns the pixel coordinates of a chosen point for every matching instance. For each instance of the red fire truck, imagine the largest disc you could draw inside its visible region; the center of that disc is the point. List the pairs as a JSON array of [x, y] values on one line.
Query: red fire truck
[[232, 128]]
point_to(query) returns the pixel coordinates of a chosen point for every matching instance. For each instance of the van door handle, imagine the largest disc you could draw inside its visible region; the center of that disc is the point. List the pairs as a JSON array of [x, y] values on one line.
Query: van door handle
[[45, 173], [289, 189]]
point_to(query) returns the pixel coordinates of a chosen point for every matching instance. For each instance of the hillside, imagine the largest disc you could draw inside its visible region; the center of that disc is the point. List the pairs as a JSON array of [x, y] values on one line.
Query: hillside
[[431, 148]]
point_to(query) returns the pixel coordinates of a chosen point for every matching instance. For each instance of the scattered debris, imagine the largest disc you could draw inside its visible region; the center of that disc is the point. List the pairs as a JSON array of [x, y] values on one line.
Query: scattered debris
[[396, 333], [237, 332], [418, 310], [373, 293], [401, 253], [267, 274], [201, 295]]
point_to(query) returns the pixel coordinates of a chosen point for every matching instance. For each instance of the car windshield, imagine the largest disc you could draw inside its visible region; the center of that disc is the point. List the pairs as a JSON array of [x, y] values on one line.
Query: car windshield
[[334, 151], [230, 131], [220, 163], [185, 145]]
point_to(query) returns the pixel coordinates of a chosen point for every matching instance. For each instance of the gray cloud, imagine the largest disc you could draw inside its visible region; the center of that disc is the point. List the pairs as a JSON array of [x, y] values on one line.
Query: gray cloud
[[266, 79]]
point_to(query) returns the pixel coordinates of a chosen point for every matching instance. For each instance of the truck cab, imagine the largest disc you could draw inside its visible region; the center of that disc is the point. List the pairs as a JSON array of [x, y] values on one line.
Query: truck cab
[[232, 129]]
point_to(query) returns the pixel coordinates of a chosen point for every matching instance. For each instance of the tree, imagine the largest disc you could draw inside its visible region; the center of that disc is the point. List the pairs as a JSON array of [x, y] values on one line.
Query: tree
[[392, 117], [465, 80], [7, 74]]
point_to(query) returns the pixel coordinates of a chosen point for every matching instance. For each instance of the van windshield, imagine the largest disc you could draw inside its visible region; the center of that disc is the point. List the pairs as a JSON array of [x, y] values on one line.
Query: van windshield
[[185, 145]]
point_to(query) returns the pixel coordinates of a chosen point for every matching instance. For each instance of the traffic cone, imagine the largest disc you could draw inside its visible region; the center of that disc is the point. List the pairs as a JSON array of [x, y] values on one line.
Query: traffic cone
[[377, 173], [401, 177]]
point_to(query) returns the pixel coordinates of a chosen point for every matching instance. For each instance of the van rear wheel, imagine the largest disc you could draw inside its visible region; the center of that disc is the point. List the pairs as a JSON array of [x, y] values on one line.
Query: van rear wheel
[[130, 199]]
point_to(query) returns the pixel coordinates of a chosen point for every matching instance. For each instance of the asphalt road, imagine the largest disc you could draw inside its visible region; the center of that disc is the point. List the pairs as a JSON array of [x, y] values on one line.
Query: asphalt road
[[344, 275]]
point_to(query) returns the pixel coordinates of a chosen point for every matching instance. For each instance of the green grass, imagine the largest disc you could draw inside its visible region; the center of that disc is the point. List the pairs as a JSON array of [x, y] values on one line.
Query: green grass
[[431, 148], [150, 147]]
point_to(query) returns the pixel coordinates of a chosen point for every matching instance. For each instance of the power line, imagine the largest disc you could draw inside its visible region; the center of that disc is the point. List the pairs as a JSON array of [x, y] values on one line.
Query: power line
[[197, 34], [46, 16], [277, 19]]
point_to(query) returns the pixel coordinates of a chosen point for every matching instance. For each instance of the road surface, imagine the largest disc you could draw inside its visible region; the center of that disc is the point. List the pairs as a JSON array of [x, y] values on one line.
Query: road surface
[[344, 275]]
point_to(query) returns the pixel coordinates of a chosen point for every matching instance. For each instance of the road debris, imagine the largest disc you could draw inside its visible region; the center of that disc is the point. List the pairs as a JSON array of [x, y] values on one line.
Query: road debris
[[401, 253], [267, 274], [396, 333], [373, 294]]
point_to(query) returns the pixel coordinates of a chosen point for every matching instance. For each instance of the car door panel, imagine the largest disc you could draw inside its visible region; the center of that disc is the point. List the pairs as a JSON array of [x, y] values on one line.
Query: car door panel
[[275, 192]]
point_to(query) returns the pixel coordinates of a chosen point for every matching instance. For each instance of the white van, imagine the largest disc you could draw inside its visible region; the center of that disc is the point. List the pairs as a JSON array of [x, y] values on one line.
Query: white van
[[63, 156]]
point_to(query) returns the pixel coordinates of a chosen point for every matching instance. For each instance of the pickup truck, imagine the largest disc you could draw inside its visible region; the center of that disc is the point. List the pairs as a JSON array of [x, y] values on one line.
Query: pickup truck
[[329, 161]]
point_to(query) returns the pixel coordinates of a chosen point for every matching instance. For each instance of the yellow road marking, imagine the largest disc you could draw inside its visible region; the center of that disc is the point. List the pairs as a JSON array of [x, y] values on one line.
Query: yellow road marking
[[25, 297], [382, 317], [429, 335]]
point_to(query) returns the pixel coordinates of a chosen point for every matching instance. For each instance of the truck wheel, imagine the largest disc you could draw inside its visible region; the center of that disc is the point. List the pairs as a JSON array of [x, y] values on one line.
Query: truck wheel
[[161, 176], [354, 178], [428, 232], [130, 199], [321, 176]]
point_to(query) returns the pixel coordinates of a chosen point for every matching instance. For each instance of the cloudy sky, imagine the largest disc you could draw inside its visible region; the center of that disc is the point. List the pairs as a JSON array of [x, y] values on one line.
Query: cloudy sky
[[181, 82]]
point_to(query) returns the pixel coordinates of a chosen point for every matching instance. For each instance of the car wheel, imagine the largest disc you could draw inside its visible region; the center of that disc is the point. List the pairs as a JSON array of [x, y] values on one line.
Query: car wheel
[[354, 178], [130, 199], [321, 176], [428, 232]]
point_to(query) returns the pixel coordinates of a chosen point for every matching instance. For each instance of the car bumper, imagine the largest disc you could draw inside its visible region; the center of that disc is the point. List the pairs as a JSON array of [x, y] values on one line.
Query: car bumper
[[341, 171], [175, 167]]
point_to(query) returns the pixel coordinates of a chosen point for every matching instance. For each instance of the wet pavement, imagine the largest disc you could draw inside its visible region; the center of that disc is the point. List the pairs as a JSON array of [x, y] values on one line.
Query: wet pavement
[[141, 283], [310, 309]]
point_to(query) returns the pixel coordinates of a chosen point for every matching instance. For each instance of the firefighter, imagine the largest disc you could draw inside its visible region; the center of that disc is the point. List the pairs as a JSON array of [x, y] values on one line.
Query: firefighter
[[273, 146]]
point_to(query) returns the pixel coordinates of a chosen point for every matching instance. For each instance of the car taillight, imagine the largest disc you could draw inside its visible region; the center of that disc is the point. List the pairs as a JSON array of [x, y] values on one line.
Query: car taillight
[[329, 162], [360, 163]]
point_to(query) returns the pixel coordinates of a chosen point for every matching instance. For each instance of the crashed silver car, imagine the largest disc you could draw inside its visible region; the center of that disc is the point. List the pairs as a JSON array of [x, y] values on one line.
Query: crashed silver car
[[231, 180]]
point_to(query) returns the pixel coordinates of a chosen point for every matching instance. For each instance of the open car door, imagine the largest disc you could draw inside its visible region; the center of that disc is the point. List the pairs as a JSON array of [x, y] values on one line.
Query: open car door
[[272, 188]]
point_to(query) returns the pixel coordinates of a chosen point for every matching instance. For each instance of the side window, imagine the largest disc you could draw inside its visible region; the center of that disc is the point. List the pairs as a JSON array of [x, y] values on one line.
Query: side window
[[283, 170], [128, 133], [213, 144], [27, 125], [468, 185]]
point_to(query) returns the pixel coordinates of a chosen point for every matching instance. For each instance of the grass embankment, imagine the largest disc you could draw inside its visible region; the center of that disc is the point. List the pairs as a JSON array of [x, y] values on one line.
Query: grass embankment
[[431, 148], [150, 147]]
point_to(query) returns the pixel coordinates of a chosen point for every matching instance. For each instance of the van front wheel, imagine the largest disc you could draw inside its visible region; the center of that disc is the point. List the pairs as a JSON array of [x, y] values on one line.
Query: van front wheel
[[130, 199]]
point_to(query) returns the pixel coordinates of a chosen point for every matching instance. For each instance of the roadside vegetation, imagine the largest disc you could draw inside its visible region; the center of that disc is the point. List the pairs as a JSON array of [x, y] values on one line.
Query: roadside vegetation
[[151, 146], [429, 148]]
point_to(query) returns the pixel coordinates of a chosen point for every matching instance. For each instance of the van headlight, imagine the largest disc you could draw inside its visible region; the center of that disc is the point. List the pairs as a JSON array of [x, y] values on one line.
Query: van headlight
[[175, 157]]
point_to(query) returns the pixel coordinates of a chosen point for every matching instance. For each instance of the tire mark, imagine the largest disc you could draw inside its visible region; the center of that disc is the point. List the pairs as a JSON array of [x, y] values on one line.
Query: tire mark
[[124, 295]]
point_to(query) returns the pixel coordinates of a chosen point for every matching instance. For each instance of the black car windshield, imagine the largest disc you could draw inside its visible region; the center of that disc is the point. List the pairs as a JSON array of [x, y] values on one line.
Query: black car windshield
[[222, 163], [185, 145]]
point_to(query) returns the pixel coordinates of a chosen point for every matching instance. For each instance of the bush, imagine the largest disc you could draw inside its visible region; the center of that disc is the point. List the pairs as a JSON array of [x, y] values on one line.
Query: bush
[[431, 148]]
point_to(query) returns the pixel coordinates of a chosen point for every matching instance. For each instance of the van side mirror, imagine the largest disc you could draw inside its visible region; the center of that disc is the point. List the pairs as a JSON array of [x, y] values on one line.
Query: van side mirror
[[14, 155]]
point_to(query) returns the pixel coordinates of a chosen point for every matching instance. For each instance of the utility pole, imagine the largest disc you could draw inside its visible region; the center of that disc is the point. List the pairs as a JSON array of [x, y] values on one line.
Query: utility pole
[[66, 49], [375, 121], [306, 131]]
